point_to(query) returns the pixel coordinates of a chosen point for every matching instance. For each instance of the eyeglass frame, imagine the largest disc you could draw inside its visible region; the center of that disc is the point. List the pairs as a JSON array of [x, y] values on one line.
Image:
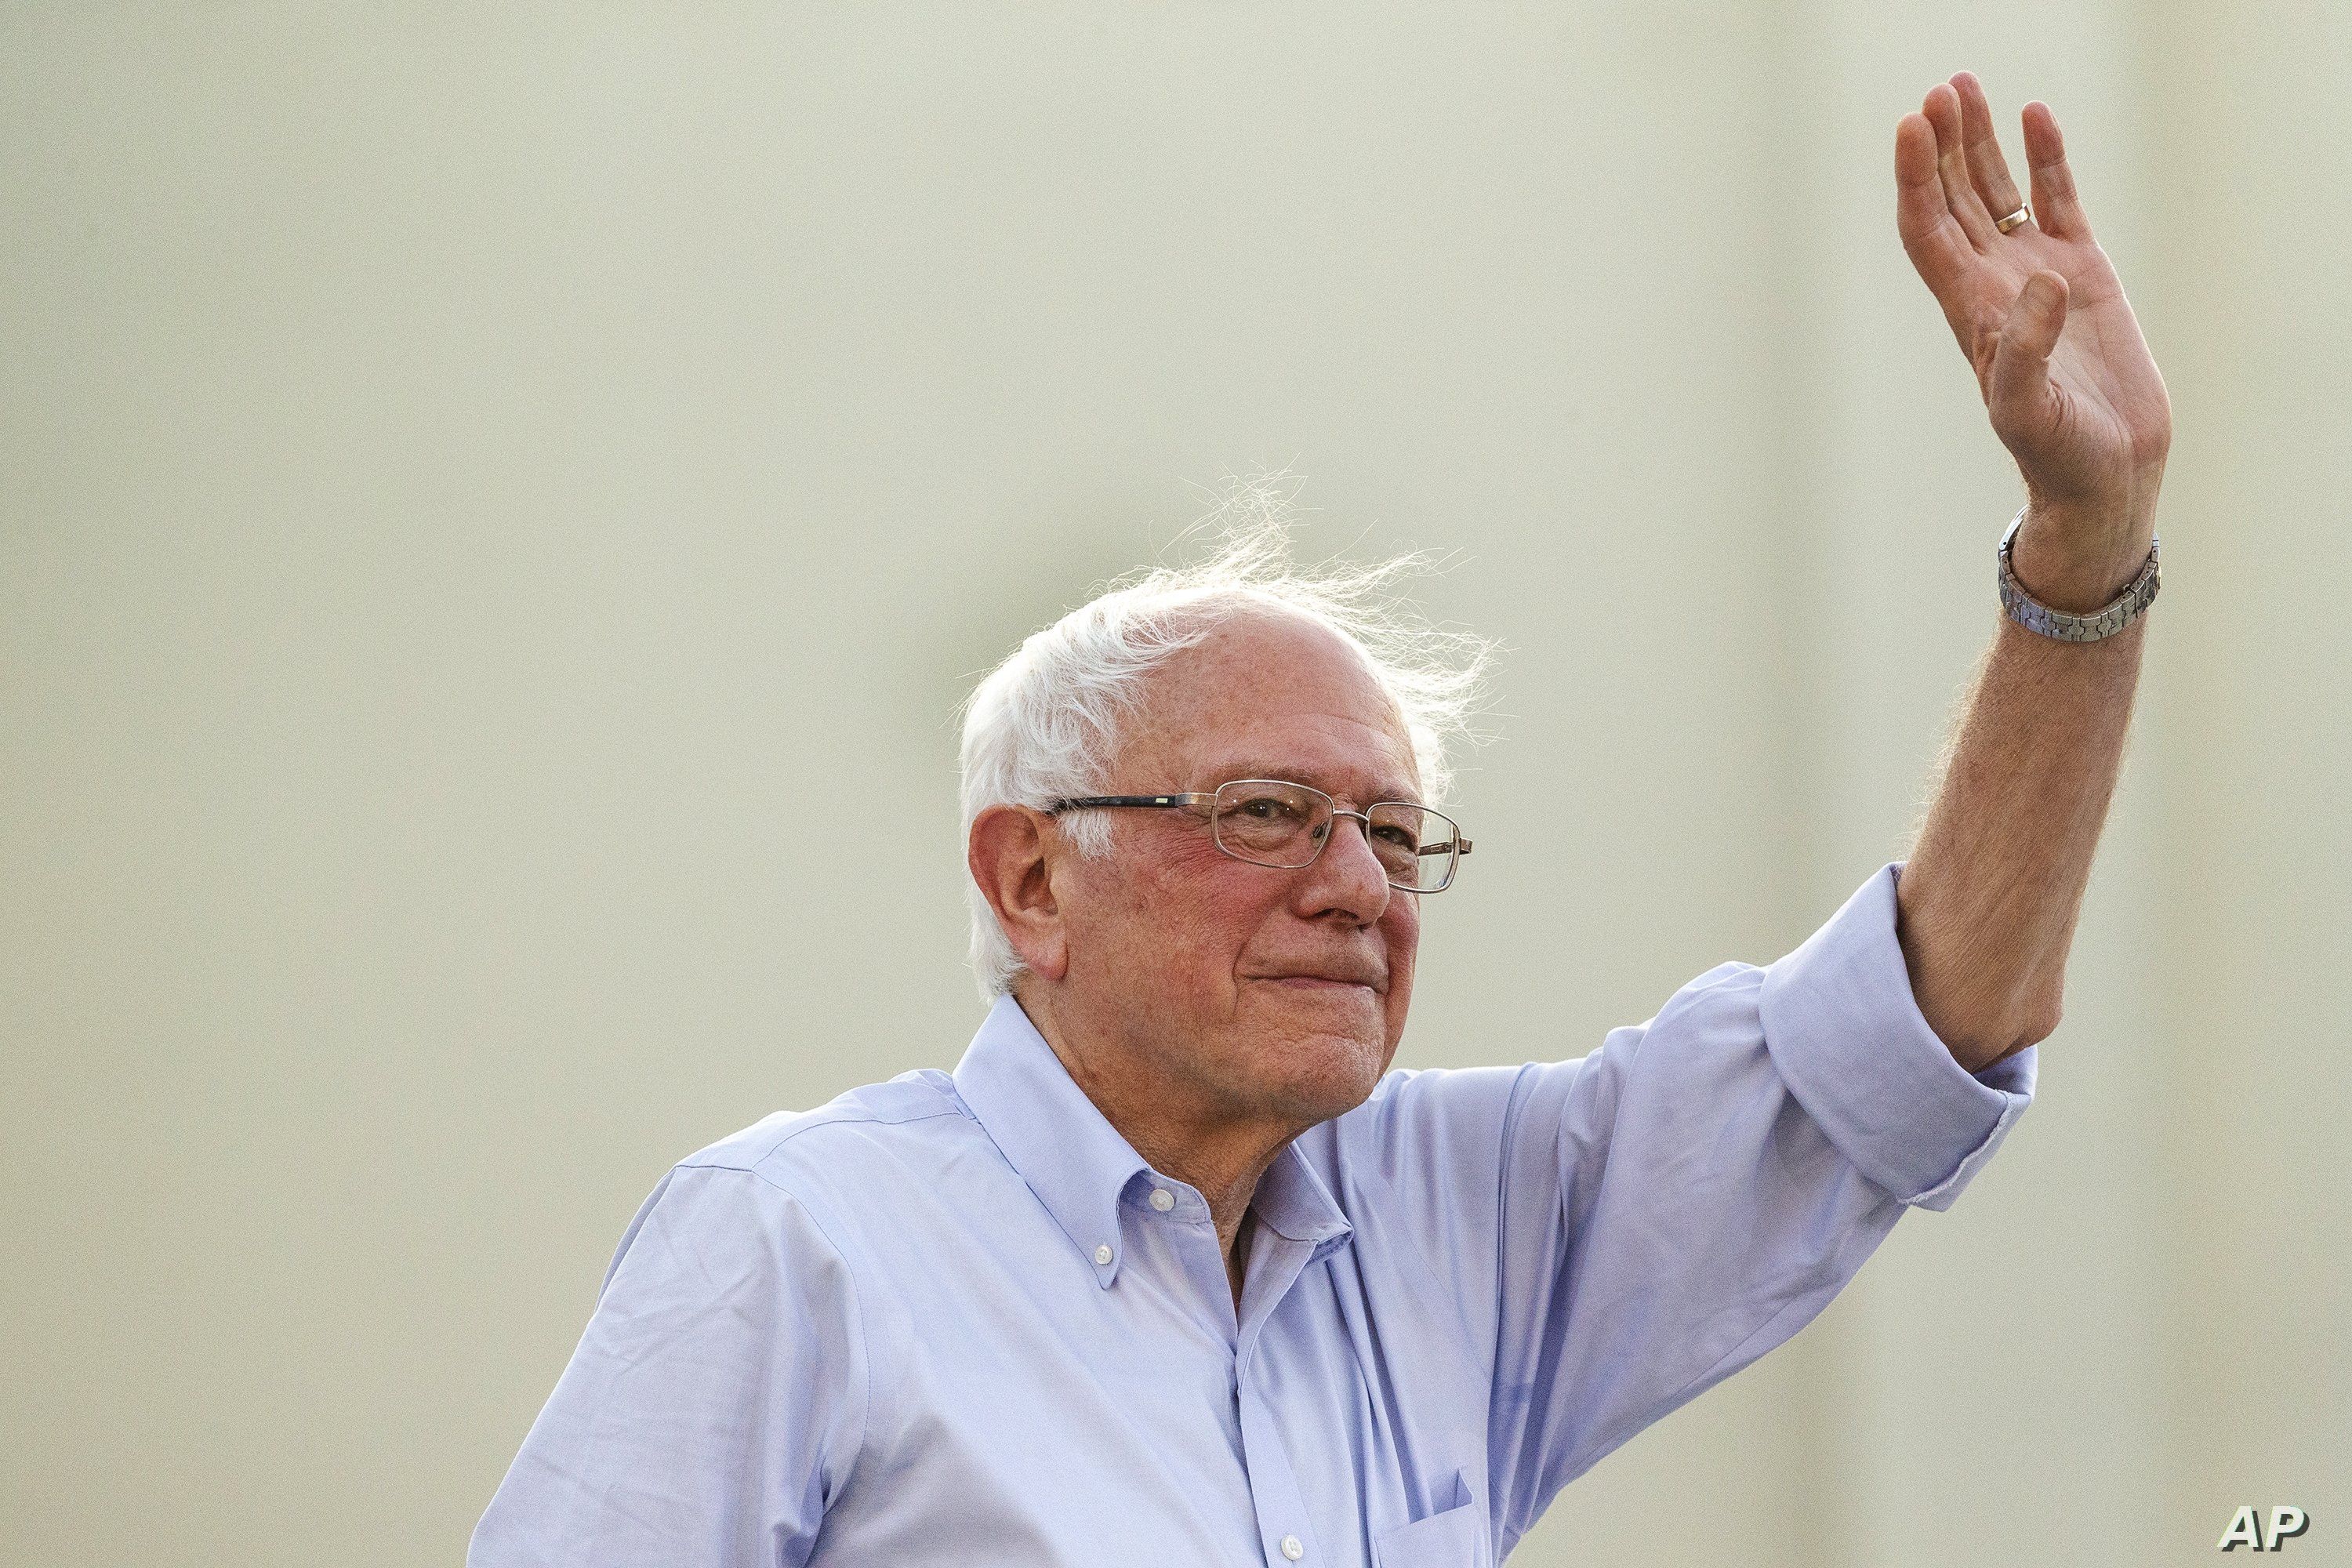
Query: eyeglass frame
[[1195, 797]]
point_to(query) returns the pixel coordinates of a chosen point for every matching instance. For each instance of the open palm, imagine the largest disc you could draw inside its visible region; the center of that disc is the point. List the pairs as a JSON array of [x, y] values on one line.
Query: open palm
[[2067, 379]]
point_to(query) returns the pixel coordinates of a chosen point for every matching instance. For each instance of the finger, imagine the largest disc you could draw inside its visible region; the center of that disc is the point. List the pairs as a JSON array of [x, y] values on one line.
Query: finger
[[1942, 108], [2055, 207], [1922, 217], [2018, 395], [1988, 170]]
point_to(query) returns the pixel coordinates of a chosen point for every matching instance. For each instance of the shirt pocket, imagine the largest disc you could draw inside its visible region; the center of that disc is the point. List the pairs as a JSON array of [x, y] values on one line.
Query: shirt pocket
[[1452, 1537]]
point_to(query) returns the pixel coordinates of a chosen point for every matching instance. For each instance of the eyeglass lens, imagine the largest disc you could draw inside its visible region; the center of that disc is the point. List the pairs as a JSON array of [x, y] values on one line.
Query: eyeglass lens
[[1272, 822]]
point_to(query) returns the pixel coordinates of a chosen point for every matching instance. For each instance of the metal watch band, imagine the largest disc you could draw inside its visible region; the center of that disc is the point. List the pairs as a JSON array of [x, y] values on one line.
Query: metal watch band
[[2104, 622]]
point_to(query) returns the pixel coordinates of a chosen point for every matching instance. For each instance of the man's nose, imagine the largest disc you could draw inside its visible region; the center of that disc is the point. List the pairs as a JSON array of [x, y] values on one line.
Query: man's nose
[[1348, 875]]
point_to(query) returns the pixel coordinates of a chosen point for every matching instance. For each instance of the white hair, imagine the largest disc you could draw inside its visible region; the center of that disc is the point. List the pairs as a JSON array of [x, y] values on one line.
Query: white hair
[[1044, 725]]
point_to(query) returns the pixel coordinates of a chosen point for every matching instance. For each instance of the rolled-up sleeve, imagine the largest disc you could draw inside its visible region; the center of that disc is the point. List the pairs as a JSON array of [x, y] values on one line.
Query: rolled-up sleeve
[[1685, 1199], [1846, 1034]]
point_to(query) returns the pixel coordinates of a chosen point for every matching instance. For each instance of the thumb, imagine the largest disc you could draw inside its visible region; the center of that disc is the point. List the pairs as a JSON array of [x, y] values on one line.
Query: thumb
[[2019, 394]]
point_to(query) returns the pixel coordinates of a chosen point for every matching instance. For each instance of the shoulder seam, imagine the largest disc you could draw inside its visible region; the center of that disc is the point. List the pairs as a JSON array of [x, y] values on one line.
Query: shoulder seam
[[813, 1121], [848, 1272], [856, 1306]]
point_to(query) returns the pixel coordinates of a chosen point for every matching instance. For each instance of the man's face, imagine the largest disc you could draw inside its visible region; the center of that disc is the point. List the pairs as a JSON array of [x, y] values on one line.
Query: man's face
[[1260, 993]]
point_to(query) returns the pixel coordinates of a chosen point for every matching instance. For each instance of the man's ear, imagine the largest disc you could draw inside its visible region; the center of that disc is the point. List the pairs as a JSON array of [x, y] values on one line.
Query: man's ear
[[1011, 853]]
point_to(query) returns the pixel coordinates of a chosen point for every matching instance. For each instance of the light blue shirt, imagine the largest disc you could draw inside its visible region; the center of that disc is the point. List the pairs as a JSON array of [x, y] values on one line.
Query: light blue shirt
[[956, 1319]]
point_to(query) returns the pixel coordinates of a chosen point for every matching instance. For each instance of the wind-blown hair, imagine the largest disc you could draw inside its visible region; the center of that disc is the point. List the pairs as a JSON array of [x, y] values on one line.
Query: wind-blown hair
[[1044, 725]]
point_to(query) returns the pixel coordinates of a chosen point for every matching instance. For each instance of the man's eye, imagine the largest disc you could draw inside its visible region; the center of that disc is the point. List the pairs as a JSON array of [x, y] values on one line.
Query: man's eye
[[1398, 836]]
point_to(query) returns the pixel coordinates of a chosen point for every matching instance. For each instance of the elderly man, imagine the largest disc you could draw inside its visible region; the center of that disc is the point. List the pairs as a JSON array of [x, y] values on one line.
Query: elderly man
[[1171, 1269]]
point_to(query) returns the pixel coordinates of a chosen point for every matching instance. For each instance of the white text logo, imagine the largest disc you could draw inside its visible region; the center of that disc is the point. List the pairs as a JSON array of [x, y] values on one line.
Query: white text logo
[[2246, 1527]]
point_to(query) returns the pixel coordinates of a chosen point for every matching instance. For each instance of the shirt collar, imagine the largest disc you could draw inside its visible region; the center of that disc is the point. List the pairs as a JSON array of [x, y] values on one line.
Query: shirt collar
[[1080, 1165], [1292, 1201], [1048, 1131]]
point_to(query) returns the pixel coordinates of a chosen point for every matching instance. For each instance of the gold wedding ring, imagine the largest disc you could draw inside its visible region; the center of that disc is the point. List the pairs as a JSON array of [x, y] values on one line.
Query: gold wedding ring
[[2012, 220]]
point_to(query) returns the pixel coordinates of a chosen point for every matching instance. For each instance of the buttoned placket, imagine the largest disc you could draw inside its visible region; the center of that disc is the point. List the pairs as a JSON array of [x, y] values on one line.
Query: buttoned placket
[[1276, 1262], [1275, 1265], [1093, 1182]]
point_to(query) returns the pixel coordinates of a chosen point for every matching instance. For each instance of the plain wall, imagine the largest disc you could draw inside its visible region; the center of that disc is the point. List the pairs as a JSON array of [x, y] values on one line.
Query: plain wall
[[499, 507]]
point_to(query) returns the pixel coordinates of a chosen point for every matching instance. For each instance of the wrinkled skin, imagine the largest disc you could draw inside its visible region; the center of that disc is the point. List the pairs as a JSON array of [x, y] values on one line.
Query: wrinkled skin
[[1212, 1008]]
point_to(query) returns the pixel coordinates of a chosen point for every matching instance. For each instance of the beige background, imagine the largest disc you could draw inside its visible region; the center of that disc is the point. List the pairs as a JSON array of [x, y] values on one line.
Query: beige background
[[480, 492]]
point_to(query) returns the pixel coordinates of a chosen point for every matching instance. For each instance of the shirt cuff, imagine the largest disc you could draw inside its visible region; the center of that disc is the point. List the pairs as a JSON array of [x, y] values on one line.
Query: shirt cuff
[[1847, 1037]]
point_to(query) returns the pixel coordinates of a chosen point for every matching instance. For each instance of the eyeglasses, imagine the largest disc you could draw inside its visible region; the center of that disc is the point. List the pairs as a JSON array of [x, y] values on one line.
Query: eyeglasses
[[1272, 822]]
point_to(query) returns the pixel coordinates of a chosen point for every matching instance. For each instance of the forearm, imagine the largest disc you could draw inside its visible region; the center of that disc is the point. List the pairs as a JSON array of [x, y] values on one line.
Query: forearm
[[1985, 907], [1986, 902]]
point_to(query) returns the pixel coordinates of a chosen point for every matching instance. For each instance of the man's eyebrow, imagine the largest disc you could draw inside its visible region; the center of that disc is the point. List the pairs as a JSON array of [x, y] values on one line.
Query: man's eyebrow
[[1258, 768]]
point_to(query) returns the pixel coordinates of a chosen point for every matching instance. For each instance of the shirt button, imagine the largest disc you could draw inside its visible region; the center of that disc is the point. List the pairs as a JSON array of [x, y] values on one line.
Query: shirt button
[[1292, 1548], [1162, 1199], [1102, 1254]]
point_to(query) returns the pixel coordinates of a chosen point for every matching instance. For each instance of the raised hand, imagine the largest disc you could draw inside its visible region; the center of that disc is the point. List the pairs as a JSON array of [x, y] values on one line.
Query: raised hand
[[2067, 379]]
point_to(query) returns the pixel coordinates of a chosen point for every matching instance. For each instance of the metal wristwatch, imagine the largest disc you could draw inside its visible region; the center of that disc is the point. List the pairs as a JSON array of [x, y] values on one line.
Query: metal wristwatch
[[2104, 622]]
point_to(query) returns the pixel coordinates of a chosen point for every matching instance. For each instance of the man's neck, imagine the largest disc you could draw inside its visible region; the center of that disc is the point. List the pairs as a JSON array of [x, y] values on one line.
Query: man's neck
[[1222, 1157]]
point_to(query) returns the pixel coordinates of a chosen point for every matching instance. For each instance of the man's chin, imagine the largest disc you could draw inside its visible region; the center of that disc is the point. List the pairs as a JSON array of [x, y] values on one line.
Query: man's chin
[[1322, 1073]]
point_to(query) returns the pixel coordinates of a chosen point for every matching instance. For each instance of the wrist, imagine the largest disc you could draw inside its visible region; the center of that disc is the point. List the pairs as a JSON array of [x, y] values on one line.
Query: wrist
[[2092, 623], [2077, 561]]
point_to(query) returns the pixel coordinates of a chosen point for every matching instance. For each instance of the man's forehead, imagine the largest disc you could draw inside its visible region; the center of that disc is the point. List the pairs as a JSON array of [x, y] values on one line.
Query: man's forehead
[[1382, 781], [1339, 755], [1260, 661], [1274, 695], [1344, 749]]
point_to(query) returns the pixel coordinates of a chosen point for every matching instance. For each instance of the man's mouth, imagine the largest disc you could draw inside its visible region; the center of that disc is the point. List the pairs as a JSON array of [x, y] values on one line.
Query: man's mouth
[[1319, 982]]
